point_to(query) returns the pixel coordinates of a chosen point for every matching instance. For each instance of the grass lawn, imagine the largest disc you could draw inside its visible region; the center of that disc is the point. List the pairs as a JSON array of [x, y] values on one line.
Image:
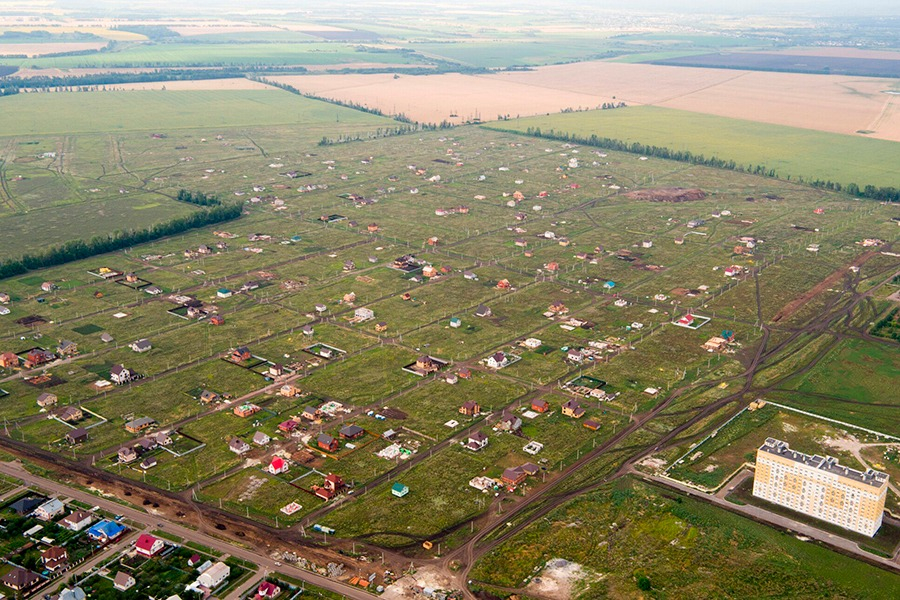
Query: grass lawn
[[252, 492], [365, 378]]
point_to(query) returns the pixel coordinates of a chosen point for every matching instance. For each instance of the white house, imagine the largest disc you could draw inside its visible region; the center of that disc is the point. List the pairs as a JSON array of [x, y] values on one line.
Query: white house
[[277, 466], [498, 360], [364, 314], [142, 345], [238, 446], [123, 581], [121, 374], [477, 441], [212, 577], [532, 343], [49, 509], [78, 520]]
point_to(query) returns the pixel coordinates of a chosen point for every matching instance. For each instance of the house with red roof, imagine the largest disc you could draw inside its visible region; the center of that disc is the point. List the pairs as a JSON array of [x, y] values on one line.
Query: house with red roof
[[277, 466], [148, 546], [267, 589]]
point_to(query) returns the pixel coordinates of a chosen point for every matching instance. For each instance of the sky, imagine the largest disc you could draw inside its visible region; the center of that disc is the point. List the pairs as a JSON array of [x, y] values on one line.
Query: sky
[[795, 7]]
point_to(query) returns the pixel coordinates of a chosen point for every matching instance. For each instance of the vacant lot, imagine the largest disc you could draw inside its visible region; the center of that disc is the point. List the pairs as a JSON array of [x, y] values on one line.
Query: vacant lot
[[685, 548]]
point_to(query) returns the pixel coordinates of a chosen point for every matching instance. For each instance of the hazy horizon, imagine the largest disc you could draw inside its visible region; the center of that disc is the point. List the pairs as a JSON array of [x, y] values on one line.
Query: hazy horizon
[[805, 8]]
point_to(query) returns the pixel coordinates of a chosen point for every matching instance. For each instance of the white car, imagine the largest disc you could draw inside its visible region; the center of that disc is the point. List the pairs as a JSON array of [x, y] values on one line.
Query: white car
[[4, 310]]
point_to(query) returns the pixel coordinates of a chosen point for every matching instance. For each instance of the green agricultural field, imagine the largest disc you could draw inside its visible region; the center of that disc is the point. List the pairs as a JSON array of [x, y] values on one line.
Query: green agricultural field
[[87, 112], [507, 53], [673, 541], [199, 54], [798, 153]]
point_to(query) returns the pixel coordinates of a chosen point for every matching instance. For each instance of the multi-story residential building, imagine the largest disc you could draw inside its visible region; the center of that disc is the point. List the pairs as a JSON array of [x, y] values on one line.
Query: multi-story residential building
[[820, 487]]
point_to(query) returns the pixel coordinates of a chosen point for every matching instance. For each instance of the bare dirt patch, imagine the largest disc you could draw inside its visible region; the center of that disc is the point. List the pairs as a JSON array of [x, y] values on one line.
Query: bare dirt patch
[[411, 586], [674, 194], [559, 579], [452, 97]]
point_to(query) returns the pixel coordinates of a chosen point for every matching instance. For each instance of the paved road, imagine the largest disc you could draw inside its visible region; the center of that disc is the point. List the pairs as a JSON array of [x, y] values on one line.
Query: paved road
[[248, 585], [15, 469], [103, 556]]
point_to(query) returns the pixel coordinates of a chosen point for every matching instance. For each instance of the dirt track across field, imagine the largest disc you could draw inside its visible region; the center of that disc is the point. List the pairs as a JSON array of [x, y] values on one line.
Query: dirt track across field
[[797, 303]]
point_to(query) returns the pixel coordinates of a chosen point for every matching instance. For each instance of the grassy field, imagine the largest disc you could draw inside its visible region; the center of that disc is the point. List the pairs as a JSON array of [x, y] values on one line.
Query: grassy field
[[789, 151], [199, 54], [717, 458], [365, 378], [86, 112], [686, 549], [492, 54], [855, 370], [106, 171]]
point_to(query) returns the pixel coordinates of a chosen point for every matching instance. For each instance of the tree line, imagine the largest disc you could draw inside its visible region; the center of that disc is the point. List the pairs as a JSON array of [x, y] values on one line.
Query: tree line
[[198, 198], [415, 125], [117, 240], [883, 194], [98, 79]]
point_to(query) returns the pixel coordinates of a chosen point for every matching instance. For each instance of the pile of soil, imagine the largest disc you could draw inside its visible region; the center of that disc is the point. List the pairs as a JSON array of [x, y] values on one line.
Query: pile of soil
[[672, 194]]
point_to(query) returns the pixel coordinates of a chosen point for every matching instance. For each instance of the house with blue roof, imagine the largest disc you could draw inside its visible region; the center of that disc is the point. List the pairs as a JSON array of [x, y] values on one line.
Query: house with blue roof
[[105, 531]]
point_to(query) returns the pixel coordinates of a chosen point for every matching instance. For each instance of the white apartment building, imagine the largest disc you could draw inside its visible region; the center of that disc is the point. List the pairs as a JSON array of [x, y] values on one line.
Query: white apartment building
[[820, 487]]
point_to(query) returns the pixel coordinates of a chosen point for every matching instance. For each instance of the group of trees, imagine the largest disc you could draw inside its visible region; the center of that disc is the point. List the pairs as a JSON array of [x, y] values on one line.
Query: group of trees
[[66, 82], [381, 132], [883, 194], [152, 32], [648, 150], [80, 249], [888, 326], [198, 198]]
